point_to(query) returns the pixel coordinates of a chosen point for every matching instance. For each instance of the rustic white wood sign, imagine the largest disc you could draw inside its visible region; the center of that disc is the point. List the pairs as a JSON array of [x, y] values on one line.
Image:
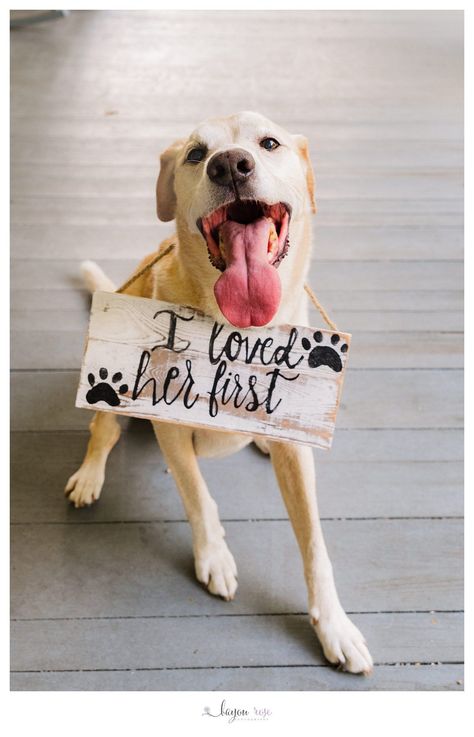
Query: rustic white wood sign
[[167, 362]]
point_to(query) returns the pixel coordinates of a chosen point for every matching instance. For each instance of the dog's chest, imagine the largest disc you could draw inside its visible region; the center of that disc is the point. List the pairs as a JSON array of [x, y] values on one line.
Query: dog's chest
[[215, 444]]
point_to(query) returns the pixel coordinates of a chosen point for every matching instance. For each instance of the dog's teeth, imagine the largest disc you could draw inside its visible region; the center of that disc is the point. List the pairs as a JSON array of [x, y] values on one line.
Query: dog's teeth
[[221, 245], [272, 247]]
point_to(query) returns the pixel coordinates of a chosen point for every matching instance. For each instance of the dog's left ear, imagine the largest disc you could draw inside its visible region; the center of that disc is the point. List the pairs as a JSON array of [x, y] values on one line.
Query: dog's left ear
[[165, 194], [302, 146]]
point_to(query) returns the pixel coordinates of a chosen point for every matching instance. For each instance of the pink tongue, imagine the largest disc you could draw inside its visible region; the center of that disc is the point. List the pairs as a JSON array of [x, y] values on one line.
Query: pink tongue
[[248, 292]]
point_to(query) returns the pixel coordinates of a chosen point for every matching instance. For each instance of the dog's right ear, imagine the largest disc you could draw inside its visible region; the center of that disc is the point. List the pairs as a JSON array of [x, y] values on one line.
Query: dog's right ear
[[165, 194]]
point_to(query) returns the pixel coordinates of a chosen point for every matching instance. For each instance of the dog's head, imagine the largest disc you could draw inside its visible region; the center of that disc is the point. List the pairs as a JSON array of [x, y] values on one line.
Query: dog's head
[[235, 185]]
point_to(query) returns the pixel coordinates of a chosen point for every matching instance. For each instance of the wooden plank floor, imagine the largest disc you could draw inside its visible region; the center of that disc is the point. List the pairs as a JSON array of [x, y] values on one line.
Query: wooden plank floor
[[105, 598]]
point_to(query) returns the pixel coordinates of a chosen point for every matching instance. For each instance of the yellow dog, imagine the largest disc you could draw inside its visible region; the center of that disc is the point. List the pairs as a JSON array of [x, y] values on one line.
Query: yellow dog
[[241, 191]]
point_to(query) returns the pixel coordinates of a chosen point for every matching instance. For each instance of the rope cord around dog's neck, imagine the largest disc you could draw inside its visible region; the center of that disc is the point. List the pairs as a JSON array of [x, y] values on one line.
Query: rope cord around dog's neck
[[320, 308], [170, 248], [146, 268]]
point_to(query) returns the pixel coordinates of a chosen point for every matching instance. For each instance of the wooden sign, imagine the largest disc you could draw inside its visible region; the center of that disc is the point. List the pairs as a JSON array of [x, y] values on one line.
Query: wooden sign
[[167, 362]]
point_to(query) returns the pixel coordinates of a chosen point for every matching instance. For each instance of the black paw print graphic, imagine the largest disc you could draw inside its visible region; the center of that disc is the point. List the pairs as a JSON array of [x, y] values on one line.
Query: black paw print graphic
[[105, 392], [325, 355]]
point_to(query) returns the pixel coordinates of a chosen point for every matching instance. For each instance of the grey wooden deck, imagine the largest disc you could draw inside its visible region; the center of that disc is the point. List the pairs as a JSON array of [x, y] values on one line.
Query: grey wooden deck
[[105, 598]]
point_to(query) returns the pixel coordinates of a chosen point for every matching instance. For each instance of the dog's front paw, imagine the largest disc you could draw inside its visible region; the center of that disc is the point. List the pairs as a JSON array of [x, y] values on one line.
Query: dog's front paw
[[84, 486], [342, 642], [215, 567]]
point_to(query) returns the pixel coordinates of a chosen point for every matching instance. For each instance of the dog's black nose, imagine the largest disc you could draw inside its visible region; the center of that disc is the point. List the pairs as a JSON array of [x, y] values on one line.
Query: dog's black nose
[[231, 167]]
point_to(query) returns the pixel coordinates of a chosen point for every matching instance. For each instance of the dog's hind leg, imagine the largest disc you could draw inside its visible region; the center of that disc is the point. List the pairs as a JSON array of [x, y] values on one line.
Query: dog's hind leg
[[342, 642], [214, 564], [84, 486]]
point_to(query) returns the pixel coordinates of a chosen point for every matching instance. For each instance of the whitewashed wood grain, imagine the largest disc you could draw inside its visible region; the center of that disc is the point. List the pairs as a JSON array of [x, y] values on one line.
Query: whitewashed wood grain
[[302, 407]]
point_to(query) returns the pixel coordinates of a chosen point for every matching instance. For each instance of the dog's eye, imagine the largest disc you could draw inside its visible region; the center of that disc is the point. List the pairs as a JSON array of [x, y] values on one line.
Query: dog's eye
[[195, 155], [269, 144]]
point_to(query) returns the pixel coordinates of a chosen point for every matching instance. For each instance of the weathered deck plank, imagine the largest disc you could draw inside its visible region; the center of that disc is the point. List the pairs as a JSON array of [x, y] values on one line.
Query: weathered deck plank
[[137, 486], [364, 446], [380, 81], [431, 677], [118, 644], [146, 569]]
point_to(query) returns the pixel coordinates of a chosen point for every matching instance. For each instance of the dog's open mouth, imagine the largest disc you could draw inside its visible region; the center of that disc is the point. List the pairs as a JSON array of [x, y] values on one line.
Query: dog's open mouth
[[247, 240], [247, 212]]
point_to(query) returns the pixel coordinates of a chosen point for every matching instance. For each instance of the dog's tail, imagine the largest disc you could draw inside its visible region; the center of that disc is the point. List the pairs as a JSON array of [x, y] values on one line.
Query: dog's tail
[[95, 279]]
